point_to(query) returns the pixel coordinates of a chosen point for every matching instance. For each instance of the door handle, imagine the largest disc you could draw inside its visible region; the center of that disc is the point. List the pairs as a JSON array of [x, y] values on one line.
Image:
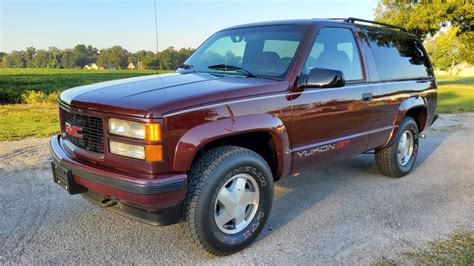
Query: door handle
[[366, 97]]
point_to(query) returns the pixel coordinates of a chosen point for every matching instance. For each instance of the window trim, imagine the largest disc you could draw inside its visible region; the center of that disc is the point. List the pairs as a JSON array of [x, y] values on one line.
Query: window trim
[[361, 58]]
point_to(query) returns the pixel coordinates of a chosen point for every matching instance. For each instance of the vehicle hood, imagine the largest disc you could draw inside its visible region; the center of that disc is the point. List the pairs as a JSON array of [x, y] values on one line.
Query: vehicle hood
[[156, 95]]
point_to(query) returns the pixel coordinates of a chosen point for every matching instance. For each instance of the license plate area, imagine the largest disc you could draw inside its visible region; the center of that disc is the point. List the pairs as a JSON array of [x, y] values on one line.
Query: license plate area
[[65, 179]]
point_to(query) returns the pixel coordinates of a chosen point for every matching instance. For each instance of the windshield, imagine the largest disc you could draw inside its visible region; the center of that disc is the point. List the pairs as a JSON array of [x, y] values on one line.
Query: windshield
[[266, 51]]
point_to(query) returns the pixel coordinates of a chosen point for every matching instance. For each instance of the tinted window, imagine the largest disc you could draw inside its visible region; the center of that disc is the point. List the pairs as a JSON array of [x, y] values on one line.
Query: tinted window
[[263, 51], [284, 49], [398, 56], [335, 48]]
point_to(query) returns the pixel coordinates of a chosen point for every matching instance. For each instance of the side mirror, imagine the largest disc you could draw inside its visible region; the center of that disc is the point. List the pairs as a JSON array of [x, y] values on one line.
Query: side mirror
[[324, 78]]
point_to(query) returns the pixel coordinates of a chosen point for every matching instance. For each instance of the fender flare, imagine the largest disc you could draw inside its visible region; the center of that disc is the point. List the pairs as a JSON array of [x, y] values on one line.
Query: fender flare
[[405, 106], [195, 138]]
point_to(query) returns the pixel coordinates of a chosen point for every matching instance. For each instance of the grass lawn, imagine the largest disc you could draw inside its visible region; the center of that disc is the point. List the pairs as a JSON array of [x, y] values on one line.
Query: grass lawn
[[456, 94], [19, 121], [458, 249]]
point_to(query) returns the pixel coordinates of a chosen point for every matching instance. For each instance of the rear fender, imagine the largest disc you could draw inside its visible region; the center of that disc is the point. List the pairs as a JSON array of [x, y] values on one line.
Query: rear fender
[[194, 139], [406, 105]]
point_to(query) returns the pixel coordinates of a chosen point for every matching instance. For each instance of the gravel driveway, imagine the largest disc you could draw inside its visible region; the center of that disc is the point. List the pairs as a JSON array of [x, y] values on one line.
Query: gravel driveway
[[340, 213]]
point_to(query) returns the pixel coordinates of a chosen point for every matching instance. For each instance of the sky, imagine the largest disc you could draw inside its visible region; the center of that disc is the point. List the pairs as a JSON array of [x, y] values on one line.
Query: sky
[[131, 24]]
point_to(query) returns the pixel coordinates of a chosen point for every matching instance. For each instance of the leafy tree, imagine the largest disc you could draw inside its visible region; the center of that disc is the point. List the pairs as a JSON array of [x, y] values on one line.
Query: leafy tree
[[150, 61], [444, 49], [426, 18], [28, 56], [54, 57], [81, 56], [67, 59], [40, 60], [115, 57]]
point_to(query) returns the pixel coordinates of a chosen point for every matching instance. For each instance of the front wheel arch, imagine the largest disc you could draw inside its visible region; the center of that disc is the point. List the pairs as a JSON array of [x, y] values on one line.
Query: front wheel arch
[[195, 139]]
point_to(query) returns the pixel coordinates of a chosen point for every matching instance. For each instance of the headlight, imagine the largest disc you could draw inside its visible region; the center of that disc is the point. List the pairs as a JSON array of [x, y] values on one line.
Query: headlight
[[129, 150], [150, 153], [137, 130], [127, 128]]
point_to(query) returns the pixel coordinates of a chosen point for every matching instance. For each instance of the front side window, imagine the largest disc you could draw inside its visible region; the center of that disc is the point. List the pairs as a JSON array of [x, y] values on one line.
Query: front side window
[[336, 49], [266, 51]]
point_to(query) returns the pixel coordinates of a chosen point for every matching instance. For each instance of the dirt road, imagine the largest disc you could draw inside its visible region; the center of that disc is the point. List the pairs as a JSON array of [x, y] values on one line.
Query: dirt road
[[341, 213]]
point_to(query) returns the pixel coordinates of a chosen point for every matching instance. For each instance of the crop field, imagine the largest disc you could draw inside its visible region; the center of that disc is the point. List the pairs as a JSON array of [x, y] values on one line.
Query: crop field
[[39, 117], [18, 81]]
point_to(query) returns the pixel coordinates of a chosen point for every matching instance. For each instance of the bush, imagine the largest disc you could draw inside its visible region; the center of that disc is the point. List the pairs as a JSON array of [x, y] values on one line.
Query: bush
[[53, 97], [36, 97], [33, 97]]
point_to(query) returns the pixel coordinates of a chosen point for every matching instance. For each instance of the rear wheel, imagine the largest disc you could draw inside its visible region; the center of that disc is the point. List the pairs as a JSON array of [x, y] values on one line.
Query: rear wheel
[[399, 158], [229, 199]]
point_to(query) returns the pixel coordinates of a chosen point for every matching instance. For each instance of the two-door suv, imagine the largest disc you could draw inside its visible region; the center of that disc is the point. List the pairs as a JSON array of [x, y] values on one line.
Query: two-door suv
[[253, 104]]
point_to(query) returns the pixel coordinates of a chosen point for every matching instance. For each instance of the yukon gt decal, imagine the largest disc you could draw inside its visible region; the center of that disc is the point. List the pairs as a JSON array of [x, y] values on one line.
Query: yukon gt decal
[[324, 148]]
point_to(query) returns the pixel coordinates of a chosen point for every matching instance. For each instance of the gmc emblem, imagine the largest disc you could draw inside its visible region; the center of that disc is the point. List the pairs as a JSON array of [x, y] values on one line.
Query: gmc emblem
[[73, 130]]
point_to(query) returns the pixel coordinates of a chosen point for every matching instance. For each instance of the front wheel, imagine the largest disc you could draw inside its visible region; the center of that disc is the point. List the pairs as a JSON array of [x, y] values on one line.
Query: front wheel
[[229, 199], [399, 158]]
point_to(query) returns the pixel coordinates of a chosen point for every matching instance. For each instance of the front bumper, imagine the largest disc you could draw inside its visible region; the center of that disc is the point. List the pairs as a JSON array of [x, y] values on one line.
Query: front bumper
[[137, 198]]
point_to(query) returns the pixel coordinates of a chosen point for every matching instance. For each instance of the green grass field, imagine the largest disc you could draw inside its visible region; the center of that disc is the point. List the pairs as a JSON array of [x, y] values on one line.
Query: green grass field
[[456, 94]]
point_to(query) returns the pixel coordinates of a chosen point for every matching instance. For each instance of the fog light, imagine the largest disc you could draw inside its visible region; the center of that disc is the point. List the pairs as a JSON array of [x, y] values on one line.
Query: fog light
[[128, 150]]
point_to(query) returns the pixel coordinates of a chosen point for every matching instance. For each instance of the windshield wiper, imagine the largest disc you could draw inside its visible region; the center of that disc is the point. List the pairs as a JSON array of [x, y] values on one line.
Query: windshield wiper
[[238, 69]]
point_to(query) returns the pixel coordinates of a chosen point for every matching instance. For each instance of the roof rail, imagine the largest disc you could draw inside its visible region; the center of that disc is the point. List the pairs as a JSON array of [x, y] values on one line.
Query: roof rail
[[353, 20]]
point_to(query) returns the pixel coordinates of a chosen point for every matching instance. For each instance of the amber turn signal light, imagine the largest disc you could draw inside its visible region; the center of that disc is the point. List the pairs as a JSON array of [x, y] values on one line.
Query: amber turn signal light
[[154, 153], [153, 132]]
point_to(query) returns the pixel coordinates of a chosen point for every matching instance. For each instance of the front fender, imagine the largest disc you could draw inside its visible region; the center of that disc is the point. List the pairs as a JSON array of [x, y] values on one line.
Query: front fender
[[405, 106], [195, 138]]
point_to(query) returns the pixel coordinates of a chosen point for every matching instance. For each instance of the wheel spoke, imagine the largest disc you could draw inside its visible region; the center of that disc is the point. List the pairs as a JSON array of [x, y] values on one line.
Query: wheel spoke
[[248, 197], [405, 147], [240, 184], [226, 198], [240, 216], [223, 217]]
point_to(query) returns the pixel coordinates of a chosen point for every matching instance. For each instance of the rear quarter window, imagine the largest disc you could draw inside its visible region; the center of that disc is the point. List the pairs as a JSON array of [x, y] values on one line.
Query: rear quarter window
[[398, 56]]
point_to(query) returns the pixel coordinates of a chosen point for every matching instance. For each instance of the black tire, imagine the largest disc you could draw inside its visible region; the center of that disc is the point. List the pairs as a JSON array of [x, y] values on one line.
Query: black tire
[[386, 158], [207, 176]]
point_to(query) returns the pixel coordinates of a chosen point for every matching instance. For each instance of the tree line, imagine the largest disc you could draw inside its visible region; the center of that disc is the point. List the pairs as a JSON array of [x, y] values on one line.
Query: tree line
[[81, 55]]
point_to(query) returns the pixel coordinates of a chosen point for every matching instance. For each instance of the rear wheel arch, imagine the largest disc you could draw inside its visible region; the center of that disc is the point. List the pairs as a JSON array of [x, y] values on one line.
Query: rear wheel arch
[[415, 107], [420, 115]]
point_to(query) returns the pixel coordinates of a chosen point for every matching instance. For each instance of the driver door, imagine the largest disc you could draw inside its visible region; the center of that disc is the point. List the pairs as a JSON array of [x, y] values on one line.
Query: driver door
[[332, 123]]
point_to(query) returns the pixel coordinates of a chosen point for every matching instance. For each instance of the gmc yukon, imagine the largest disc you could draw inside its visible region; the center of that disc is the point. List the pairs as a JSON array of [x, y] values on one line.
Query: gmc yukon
[[254, 103]]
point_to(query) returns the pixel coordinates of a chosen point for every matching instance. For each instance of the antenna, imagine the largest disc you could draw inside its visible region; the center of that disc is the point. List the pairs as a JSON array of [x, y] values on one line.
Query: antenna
[[156, 34], [156, 29]]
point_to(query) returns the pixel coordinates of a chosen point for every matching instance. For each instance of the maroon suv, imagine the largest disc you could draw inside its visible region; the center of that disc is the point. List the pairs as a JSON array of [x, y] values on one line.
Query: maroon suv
[[253, 104]]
